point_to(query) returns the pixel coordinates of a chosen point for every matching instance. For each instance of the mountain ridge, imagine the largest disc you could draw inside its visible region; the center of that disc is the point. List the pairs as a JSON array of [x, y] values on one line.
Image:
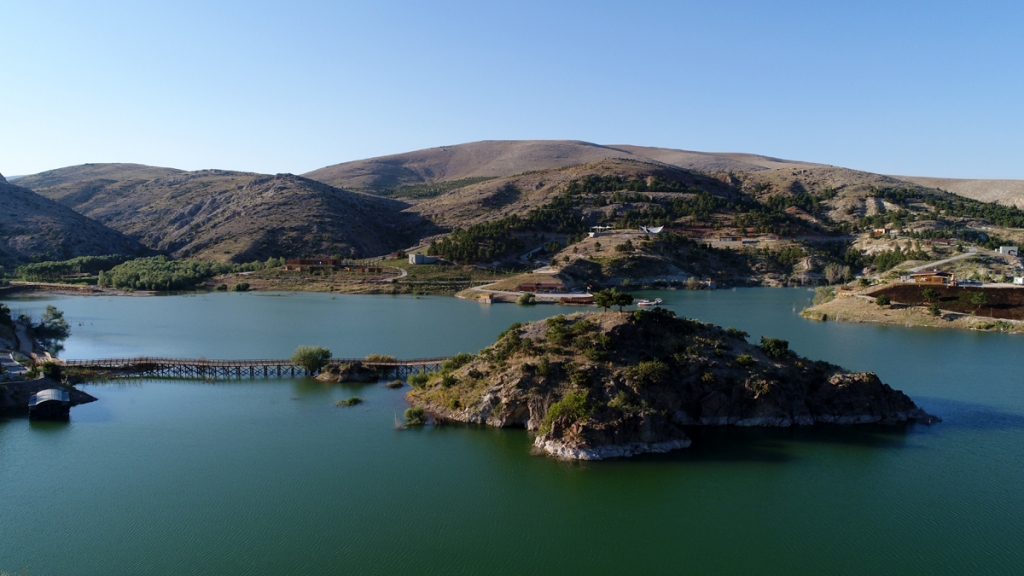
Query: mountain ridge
[[224, 215]]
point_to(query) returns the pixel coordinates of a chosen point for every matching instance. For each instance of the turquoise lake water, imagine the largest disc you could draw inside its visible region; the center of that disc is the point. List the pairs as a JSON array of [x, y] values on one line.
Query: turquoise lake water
[[268, 477]]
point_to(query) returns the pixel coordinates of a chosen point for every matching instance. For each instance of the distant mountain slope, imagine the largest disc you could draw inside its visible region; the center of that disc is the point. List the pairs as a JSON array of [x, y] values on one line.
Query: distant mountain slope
[[502, 158], [518, 194], [1007, 192], [96, 173], [712, 161], [33, 227], [221, 215]]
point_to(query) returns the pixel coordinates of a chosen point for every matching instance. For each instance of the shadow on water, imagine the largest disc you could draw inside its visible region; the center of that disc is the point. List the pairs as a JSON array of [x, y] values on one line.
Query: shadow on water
[[958, 415], [776, 445], [312, 387], [49, 426]]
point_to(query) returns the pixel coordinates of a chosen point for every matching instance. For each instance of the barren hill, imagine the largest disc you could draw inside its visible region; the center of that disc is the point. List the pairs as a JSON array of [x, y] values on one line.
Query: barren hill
[[33, 227], [503, 158], [221, 215], [1006, 192], [501, 197]]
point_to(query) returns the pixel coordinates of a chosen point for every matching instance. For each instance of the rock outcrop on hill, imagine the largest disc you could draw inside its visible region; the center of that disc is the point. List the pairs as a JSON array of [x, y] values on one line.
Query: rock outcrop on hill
[[594, 386]]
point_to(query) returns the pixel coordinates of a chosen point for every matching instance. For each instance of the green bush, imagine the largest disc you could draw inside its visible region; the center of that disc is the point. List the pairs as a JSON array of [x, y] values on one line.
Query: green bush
[[527, 299], [558, 333], [419, 379], [775, 347], [745, 360], [580, 379], [456, 362], [933, 309], [647, 373], [311, 358], [572, 407], [883, 300], [823, 294], [736, 333], [978, 299], [622, 401], [241, 287], [221, 288], [415, 416], [51, 370], [513, 328], [353, 401]]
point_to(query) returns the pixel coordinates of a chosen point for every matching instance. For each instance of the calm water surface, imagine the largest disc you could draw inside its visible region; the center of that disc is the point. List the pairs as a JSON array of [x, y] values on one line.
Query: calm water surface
[[268, 477]]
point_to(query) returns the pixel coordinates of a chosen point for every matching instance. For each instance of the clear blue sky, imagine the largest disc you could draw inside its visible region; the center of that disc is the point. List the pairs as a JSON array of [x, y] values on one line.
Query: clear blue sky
[[918, 88]]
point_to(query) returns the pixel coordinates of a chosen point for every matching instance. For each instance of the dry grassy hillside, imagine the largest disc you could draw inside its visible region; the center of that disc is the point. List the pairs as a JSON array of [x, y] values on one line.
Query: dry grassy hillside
[[96, 174], [518, 194], [220, 215], [503, 158], [33, 227], [1006, 192], [712, 161], [854, 190]]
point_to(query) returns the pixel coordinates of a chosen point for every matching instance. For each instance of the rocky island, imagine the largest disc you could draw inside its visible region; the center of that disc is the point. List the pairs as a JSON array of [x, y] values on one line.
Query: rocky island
[[594, 386]]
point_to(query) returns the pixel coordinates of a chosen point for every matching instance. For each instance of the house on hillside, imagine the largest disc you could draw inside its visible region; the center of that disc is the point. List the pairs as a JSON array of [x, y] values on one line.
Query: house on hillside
[[540, 287], [421, 259], [1009, 250], [930, 277]]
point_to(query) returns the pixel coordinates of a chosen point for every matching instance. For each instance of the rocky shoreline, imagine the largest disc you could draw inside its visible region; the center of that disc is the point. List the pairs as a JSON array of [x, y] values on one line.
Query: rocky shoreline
[[595, 386]]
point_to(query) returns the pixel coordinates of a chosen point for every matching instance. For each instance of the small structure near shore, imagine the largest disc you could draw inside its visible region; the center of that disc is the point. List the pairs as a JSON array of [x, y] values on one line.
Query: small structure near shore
[[49, 404], [540, 287], [931, 277]]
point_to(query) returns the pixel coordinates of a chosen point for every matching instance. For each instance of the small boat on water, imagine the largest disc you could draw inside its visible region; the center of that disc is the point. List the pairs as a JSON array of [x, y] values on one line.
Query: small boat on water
[[648, 303]]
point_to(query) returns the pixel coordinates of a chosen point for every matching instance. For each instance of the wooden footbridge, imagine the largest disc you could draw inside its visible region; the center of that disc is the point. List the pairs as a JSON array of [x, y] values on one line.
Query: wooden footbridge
[[221, 369]]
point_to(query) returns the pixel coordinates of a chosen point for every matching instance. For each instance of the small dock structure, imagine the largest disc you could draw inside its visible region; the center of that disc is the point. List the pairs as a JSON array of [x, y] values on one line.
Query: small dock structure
[[49, 404]]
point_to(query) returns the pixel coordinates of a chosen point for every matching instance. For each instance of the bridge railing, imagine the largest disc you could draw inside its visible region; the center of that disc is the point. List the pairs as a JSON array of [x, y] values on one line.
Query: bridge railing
[[140, 360]]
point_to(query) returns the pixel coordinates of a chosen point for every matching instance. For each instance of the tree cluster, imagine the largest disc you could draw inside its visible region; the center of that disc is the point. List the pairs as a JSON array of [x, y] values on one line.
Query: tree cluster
[[48, 271], [161, 273], [612, 297]]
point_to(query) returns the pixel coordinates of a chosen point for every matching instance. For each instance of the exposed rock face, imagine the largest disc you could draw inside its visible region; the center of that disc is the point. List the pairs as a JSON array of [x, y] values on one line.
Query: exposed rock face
[[595, 386]]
